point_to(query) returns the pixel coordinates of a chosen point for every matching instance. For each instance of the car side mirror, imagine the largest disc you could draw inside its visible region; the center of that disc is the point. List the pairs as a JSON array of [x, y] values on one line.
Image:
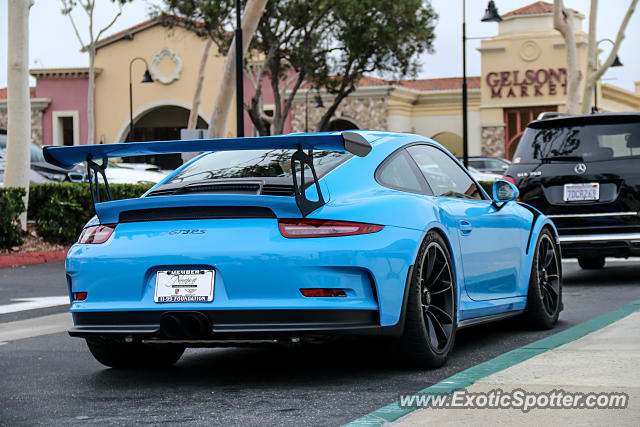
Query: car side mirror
[[504, 191]]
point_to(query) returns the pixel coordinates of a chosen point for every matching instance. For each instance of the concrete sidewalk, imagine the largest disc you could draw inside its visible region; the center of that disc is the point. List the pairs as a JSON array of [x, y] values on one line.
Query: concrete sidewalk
[[606, 360]]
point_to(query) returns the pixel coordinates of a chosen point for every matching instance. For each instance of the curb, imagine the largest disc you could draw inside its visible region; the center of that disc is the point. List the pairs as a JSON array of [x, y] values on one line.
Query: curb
[[463, 379], [32, 258]]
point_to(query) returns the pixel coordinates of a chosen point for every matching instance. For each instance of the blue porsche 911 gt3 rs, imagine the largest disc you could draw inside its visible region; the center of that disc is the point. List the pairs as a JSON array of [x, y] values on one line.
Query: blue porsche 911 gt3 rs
[[294, 237]]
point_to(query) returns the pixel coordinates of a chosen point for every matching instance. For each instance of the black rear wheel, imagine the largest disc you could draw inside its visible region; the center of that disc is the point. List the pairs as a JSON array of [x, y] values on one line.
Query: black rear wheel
[[591, 262], [121, 355], [430, 322], [544, 299]]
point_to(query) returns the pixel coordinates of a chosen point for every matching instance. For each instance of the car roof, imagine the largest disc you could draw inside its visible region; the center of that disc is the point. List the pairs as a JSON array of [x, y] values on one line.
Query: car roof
[[586, 119]]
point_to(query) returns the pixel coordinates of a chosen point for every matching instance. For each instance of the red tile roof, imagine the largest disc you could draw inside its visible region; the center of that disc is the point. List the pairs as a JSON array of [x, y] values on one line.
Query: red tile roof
[[3, 92], [537, 8], [447, 83]]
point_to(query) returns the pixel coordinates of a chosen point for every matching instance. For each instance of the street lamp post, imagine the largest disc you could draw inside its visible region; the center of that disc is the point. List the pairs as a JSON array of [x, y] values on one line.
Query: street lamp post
[[239, 74], [616, 63], [491, 15], [146, 78]]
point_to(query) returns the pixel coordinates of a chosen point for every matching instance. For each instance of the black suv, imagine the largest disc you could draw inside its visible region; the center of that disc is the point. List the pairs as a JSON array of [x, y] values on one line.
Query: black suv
[[584, 173]]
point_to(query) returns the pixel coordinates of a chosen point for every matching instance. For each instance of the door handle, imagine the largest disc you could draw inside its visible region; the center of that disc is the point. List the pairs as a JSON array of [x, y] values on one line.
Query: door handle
[[465, 227]]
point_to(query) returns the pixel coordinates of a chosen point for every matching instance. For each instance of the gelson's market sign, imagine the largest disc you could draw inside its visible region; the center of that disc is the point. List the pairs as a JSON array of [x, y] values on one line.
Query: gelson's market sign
[[522, 84]]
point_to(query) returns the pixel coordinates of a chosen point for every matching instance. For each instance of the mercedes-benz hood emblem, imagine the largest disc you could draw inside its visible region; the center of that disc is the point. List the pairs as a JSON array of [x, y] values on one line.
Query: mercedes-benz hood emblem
[[580, 168]]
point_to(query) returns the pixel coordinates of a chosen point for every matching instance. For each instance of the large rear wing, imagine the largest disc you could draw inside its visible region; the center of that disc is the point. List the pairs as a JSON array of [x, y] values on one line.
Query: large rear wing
[[352, 142]]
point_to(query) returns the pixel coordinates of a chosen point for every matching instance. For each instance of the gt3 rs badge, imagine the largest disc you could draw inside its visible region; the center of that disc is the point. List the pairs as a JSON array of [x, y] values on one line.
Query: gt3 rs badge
[[174, 232]]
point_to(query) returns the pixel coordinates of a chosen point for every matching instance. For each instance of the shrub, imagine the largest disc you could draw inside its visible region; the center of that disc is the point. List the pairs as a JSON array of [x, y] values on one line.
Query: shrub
[[11, 206], [60, 210], [488, 186]]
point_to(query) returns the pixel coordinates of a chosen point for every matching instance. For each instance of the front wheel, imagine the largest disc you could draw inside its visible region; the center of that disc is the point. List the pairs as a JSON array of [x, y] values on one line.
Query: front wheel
[[544, 299], [121, 355], [430, 322]]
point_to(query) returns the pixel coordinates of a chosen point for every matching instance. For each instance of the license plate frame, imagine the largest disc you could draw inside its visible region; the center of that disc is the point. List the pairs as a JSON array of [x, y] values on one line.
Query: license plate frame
[[185, 285], [585, 192]]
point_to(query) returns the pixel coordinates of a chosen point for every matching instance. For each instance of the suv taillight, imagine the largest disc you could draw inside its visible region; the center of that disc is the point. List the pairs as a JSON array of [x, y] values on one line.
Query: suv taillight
[[301, 228], [97, 233], [511, 180]]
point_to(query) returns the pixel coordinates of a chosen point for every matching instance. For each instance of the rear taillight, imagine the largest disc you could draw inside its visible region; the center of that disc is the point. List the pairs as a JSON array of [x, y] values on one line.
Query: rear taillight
[[301, 228], [79, 296], [97, 233], [511, 180]]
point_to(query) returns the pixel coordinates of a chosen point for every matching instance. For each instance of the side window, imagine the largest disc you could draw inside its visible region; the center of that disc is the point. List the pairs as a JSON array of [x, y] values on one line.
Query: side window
[[398, 172], [444, 176]]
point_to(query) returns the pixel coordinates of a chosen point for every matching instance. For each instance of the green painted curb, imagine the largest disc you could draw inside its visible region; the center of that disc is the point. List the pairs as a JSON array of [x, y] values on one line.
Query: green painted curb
[[469, 376]]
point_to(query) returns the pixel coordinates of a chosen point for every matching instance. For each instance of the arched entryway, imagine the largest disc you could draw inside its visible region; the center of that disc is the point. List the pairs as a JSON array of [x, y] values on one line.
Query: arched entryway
[[162, 123], [342, 124], [451, 141], [516, 121]]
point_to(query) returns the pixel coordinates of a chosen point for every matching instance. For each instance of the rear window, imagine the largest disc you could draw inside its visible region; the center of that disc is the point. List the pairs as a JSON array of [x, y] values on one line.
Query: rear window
[[254, 164], [579, 143]]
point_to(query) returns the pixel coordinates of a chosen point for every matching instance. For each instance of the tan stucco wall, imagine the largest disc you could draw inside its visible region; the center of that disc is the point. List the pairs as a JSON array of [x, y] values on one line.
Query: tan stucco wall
[[526, 69], [112, 85]]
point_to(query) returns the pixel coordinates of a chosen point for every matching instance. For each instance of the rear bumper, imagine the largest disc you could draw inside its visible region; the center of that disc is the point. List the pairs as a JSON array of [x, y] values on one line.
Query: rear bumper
[[613, 244], [225, 325]]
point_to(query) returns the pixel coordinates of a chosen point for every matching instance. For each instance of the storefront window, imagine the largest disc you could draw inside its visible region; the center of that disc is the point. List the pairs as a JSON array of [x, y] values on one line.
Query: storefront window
[[516, 120]]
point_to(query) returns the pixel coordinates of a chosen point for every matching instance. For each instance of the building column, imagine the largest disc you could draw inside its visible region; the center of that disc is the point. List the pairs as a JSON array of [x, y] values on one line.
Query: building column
[[492, 140]]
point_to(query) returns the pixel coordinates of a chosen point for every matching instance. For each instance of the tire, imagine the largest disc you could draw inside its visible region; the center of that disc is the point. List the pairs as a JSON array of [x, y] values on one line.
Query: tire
[[591, 262], [544, 298], [431, 311], [120, 355]]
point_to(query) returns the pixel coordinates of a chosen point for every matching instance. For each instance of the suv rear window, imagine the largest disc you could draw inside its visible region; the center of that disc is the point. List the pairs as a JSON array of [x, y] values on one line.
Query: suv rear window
[[254, 164], [586, 143]]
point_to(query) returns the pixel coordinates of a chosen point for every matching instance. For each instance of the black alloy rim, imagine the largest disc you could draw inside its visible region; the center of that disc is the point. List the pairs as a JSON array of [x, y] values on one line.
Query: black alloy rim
[[436, 296], [548, 275]]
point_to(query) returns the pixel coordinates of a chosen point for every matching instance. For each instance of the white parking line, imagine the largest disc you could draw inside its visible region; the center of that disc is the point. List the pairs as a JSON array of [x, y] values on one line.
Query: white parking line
[[35, 327], [23, 304]]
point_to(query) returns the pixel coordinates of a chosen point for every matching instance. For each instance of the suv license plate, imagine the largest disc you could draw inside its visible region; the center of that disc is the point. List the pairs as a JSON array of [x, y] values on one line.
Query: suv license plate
[[581, 192], [184, 286]]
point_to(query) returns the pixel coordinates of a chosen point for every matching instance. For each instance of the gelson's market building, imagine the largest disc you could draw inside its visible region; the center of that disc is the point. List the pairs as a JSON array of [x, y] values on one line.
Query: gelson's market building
[[523, 74]]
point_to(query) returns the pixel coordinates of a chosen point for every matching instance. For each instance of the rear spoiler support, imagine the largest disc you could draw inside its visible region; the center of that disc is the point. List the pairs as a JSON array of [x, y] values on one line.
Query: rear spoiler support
[[305, 205], [93, 169]]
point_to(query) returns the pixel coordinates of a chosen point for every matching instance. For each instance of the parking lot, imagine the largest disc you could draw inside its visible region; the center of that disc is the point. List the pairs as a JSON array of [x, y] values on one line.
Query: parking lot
[[53, 380]]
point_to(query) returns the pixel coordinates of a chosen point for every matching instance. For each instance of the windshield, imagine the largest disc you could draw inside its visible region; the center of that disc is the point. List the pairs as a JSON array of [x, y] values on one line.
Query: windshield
[[579, 143], [36, 150], [253, 164]]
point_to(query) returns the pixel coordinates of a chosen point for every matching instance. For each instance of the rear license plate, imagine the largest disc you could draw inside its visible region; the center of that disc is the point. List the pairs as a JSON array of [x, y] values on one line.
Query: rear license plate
[[581, 192], [184, 286]]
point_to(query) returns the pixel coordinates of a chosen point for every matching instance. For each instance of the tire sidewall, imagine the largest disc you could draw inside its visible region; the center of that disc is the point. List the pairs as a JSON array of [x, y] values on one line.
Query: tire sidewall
[[439, 357], [535, 306]]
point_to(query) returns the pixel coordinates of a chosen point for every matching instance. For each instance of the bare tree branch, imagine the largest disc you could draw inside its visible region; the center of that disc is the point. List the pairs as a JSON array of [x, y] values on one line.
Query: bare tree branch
[[67, 11], [593, 73], [563, 22], [113, 21]]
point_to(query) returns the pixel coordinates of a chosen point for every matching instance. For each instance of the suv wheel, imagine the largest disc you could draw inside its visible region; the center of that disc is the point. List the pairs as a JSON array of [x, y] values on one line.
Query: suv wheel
[[591, 263]]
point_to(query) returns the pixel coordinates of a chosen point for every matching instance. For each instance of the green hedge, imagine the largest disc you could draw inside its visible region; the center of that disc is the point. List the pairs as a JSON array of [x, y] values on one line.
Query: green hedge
[[488, 187], [60, 210], [11, 206]]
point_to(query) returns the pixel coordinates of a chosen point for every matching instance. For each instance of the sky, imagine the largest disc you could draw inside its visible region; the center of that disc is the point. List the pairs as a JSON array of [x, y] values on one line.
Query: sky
[[52, 42]]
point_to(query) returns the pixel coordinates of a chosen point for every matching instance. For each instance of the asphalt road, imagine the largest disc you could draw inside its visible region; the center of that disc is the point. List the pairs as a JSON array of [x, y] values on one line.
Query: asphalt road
[[53, 380]]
